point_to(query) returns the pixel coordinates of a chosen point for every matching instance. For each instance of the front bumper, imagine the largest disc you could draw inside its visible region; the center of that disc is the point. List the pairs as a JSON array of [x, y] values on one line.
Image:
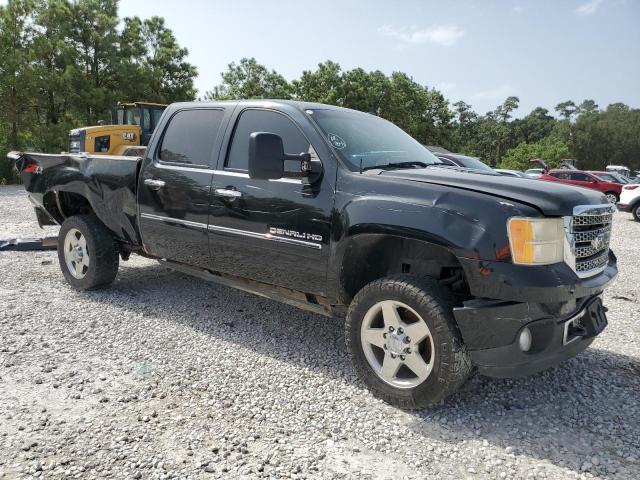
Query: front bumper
[[553, 341], [491, 324], [623, 207]]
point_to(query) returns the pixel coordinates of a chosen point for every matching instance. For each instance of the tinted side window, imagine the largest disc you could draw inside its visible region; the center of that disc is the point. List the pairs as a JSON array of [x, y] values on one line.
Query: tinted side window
[[580, 177], [190, 136], [263, 121], [561, 175]]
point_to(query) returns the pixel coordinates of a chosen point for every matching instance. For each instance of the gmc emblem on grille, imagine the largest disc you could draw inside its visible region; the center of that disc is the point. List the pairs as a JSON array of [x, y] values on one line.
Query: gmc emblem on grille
[[598, 242]]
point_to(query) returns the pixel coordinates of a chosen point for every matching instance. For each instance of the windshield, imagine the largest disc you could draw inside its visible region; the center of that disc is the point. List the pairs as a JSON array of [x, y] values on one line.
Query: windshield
[[364, 140], [607, 177], [619, 178], [471, 162], [129, 116]]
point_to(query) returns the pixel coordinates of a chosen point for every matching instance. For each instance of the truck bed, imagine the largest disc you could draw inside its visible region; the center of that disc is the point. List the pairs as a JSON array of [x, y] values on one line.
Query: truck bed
[[108, 183]]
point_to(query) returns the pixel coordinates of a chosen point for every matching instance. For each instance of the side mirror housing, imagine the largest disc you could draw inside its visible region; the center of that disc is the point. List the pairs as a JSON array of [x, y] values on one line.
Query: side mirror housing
[[267, 157]]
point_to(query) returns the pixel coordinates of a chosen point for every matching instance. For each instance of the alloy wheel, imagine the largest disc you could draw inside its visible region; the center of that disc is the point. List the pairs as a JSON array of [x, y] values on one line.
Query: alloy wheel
[[76, 255], [397, 344]]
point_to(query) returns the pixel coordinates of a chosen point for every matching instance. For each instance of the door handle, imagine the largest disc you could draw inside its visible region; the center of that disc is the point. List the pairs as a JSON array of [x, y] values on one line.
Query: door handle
[[227, 192], [154, 184]]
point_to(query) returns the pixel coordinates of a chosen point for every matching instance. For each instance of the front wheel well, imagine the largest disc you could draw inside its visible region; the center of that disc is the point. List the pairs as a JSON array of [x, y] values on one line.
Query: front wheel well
[[368, 257]]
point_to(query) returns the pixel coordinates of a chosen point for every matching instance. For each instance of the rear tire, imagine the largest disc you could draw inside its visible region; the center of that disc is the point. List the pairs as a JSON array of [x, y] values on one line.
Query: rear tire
[[421, 362], [87, 252], [612, 197], [636, 212]]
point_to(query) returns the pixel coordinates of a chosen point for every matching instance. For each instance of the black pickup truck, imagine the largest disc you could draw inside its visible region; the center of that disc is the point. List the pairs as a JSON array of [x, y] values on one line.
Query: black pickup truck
[[439, 271]]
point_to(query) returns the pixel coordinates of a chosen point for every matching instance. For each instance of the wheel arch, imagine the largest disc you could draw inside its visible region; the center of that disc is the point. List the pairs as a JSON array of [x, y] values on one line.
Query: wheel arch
[[369, 256], [61, 204]]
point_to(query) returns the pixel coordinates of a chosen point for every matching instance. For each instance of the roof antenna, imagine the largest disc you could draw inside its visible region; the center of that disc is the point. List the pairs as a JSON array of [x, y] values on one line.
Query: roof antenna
[[360, 164]]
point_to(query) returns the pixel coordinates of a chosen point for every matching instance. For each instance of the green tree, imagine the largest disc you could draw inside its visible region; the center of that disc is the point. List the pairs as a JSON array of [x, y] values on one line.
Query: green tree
[[96, 38], [249, 79], [55, 64], [535, 126], [566, 109], [153, 66], [324, 85], [549, 149], [588, 107], [16, 72]]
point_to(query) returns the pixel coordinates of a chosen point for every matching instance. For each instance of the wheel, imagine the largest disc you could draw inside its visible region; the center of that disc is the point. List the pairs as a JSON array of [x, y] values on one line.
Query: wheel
[[404, 343], [636, 212], [87, 252], [612, 197]]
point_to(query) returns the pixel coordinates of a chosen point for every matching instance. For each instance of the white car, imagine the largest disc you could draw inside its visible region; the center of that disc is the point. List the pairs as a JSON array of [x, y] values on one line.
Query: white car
[[630, 200]]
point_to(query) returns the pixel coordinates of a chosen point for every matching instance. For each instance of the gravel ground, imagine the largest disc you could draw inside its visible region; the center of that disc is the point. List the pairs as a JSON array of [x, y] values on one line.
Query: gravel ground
[[166, 376]]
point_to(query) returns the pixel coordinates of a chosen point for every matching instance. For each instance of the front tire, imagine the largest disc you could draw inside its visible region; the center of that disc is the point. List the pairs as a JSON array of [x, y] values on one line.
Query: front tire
[[403, 341], [87, 253], [636, 212]]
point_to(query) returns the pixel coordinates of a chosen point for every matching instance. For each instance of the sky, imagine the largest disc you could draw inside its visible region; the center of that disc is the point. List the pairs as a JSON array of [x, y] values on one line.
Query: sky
[[543, 51]]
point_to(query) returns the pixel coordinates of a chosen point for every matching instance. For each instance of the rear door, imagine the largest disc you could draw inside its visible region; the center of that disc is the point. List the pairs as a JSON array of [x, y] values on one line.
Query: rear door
[[273, 231], [174, 185], [582, 180]]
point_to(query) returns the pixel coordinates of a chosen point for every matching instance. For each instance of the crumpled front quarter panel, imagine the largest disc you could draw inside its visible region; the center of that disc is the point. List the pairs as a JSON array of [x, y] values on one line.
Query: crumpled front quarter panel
[[470, 224]]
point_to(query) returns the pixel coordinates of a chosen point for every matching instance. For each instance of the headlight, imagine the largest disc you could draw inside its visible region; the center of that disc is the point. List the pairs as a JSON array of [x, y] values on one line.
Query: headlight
[[536, 241]]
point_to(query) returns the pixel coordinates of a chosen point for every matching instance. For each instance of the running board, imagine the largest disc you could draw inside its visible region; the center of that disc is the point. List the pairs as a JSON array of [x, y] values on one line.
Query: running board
[[28, 244], [295, 298]]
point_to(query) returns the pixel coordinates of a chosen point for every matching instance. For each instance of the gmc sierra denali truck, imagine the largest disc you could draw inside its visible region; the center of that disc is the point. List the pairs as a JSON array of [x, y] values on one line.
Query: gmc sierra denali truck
[[439, 271]]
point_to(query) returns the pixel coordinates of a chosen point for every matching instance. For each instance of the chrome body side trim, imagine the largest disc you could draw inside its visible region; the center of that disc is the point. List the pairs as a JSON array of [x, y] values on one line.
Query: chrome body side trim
[[265, 236], [162, 218], [230, 173], [234, 231]]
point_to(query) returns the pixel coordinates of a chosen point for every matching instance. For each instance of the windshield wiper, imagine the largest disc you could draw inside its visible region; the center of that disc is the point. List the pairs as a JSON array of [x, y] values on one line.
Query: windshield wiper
[[394, 165]]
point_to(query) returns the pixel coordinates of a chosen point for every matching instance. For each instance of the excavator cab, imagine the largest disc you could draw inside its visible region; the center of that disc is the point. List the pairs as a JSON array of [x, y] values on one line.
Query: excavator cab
[[145, 115], [129, 133]]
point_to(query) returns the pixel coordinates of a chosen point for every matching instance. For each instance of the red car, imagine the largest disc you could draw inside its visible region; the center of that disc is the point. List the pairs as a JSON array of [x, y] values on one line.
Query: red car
[[581, 178]]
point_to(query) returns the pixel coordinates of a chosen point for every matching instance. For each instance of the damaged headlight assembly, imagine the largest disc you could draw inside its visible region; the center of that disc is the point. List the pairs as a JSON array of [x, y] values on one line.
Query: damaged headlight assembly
[[536, 241]]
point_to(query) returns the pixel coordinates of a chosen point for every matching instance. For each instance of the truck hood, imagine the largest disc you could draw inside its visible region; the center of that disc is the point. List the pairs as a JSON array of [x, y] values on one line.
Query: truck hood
[[552, 199]]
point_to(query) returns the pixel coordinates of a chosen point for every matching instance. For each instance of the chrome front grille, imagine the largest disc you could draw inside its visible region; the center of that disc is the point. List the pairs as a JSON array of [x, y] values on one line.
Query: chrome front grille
[[589, 233]]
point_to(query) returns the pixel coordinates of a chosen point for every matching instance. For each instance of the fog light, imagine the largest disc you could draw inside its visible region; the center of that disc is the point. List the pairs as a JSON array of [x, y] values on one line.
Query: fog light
[[525, 339]]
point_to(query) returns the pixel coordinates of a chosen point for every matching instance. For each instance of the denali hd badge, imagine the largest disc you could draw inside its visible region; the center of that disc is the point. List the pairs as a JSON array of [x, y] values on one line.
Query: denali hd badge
[[283, 232]]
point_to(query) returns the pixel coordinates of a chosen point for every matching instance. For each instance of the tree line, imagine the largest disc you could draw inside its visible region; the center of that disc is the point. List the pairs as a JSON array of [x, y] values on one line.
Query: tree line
[[584, 132], [66, 64]]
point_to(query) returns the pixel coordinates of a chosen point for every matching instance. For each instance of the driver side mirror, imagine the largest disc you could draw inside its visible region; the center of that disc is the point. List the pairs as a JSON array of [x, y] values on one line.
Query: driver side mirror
[[267, 157]]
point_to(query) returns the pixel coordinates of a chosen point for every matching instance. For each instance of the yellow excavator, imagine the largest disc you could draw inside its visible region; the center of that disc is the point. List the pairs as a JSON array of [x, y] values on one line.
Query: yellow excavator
[[129, 133]]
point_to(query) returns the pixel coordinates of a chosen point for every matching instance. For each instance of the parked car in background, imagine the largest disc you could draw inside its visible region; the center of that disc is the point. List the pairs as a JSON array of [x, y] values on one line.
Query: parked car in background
[[511, 173], [534, 172], [610, 177], [580, 178], [620, 169], [630, 200], [457, 160]]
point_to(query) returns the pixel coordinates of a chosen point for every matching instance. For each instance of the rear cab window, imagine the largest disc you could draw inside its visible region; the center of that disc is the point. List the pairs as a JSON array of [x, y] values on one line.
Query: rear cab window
[[190, 136]]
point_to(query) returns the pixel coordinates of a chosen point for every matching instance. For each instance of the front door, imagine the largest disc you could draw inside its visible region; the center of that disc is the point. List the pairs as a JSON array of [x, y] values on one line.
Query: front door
[[273, 231], [174, 186]]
